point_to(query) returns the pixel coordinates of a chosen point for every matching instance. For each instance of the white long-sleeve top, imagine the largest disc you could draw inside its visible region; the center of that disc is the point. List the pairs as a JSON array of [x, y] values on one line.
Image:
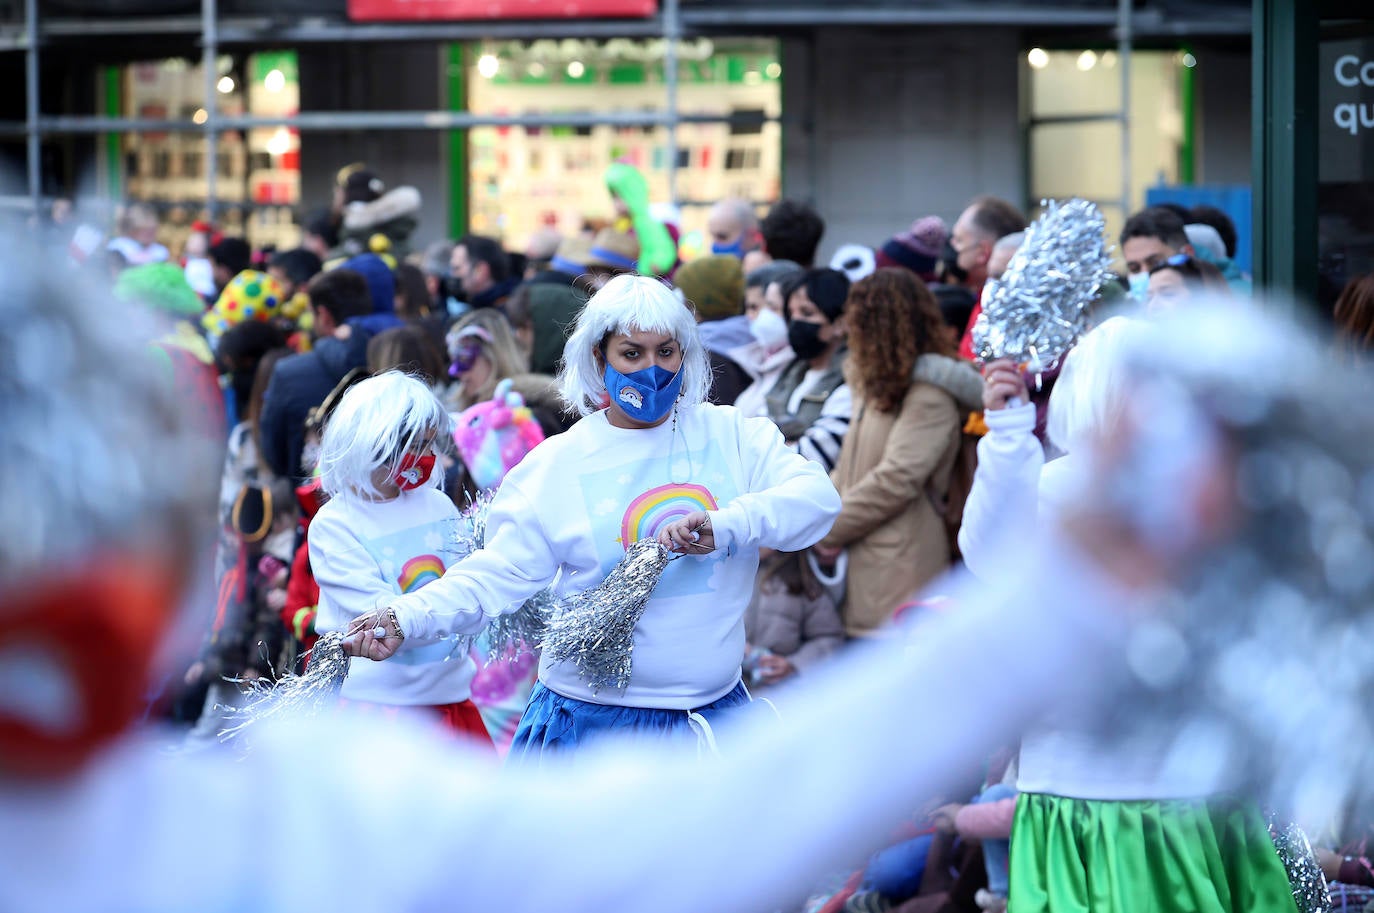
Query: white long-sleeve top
[[619, 826], [1005, 493], [566, 513], [1016, 497], [366, 553]]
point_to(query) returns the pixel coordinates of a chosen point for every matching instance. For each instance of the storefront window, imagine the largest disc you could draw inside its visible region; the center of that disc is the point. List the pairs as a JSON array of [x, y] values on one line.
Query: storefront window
[[1345, 156], [1075, 136], [525, 178], [257, 182]]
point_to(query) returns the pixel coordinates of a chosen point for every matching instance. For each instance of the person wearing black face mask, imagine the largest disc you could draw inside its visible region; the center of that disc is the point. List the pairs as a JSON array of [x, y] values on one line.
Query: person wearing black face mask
[[949, 271], [810, 403], [980, 225]]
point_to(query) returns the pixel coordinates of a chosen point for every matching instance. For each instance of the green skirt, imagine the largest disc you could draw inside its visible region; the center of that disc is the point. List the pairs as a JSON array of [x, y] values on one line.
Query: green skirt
[[1096, 856]]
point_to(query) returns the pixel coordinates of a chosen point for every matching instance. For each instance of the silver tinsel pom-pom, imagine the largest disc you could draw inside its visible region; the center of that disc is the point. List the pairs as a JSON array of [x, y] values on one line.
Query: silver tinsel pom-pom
[[1039, 308], [595, 628], [294, 695], [1304, 872]]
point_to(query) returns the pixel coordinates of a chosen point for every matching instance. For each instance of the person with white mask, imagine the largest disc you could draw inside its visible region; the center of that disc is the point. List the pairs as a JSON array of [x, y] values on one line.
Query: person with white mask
[[768, 352]]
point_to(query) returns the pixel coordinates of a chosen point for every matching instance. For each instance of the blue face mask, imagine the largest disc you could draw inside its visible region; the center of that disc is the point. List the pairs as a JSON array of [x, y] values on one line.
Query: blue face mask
[[729, 250], [1140, 285], [645, 396]]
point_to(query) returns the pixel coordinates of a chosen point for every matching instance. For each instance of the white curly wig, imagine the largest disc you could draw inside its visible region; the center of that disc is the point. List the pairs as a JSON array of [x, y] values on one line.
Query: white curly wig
[[625, 305], [377, 421]]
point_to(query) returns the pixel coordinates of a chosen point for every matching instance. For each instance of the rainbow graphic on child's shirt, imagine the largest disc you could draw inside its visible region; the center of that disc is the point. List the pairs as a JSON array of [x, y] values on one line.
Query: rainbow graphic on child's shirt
[[657, 507], [419, 571]]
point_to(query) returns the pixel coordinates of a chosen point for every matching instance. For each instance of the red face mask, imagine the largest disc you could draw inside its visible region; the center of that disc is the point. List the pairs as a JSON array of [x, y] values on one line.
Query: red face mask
[[413, 471]]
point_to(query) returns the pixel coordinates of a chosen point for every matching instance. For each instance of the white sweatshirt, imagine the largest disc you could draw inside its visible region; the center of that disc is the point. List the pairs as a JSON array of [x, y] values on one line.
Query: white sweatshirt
[[567, 511], [1015, 500], [620, 826], [365, 553]]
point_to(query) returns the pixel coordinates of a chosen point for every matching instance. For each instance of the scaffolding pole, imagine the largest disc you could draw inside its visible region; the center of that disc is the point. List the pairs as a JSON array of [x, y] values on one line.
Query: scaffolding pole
[[210, 65], [312, 121], [1123, 50], [672, 32], [33, 138]]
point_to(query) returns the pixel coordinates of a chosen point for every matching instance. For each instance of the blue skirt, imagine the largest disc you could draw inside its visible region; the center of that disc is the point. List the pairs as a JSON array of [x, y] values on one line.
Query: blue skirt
[[554, 723]]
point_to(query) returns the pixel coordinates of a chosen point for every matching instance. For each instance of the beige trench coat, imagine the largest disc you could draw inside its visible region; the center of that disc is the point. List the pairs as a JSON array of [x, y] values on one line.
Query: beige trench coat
[[891, 468]]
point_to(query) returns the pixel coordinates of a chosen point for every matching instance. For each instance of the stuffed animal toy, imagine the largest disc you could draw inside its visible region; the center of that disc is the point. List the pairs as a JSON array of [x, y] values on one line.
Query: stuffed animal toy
[[495, 435]]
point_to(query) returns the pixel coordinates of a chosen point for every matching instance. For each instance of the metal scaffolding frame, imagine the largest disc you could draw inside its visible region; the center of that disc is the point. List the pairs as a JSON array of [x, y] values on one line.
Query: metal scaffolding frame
[[266, 31], [672, 23]]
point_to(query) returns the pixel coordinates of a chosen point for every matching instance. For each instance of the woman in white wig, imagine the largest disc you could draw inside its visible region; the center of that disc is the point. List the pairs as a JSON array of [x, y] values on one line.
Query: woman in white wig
[[649, 460]]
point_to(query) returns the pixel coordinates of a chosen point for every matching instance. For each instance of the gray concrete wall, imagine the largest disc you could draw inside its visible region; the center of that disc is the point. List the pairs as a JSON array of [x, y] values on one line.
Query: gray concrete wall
[[894, 124], [377, 77]]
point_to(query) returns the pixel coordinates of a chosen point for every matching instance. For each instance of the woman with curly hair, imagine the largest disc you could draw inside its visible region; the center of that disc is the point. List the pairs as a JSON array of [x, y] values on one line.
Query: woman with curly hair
[[895, 465]]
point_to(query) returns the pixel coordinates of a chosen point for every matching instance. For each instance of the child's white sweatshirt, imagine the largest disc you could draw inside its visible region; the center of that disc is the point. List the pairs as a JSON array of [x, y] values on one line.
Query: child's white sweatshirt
[[366, 553]]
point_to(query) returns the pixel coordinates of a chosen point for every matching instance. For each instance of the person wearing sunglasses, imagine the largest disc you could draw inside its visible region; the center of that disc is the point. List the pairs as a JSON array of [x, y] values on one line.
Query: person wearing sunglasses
[[482, 352]]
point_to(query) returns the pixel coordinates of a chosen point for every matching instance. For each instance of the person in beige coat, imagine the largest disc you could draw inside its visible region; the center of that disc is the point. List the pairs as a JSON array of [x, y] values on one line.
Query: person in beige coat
[[895, 465]]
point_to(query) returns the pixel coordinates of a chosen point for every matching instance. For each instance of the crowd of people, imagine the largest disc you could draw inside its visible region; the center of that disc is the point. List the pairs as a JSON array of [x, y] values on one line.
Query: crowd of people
[[830, 476]]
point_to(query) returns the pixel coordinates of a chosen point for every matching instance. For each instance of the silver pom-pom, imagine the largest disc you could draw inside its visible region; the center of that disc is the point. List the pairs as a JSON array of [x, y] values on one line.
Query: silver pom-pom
[[1039, 308], [1304, 872], [294, 695], [595, 628]]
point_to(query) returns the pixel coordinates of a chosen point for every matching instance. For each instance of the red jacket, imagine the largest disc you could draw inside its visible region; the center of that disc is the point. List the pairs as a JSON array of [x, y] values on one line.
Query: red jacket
[[302, 599]]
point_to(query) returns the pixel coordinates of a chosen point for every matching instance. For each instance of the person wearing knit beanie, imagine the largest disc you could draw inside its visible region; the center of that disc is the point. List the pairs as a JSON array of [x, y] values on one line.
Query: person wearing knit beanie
[[917, 249], [714, 285]]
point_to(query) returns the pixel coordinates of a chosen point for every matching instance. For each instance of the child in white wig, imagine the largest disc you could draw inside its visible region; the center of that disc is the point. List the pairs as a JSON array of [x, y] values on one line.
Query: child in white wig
[[1091, 808], [389, 529], [649, 460], [1013, 479]]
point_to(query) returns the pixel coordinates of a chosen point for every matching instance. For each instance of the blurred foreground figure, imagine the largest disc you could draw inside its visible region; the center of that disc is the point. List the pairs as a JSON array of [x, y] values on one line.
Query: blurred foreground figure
[[103, 510]]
